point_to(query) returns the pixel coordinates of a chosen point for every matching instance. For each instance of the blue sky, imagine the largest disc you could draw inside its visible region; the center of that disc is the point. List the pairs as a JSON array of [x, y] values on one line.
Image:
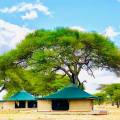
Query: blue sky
[[93, 15], [20, 17]]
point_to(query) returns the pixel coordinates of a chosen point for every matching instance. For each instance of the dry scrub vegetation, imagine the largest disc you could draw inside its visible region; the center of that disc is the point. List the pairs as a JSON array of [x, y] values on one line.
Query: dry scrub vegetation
[[113, 114]]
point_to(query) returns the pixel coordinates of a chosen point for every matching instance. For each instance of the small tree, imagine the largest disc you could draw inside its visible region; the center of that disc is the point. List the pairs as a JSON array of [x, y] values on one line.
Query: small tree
[[116, 97]]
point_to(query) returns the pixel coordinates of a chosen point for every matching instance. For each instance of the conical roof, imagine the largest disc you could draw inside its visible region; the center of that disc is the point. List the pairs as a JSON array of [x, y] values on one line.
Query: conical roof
[[22, 96], [70, 92]]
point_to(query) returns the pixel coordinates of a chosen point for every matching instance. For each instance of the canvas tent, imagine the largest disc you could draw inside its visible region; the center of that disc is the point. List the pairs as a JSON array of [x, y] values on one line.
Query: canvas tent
[[71, 98], [21, 99]]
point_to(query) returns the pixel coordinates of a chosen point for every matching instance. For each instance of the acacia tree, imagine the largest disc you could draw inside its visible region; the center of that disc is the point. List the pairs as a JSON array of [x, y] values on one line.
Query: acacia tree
[[69, 51]]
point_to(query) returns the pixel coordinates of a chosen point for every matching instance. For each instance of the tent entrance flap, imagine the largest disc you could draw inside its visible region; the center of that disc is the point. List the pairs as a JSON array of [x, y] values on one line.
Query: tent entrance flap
[[60, 105]]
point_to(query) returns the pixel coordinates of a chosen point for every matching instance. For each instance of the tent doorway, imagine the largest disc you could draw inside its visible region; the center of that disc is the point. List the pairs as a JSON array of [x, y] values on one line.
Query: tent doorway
[[32, 104], [20, 104], [60, 105]]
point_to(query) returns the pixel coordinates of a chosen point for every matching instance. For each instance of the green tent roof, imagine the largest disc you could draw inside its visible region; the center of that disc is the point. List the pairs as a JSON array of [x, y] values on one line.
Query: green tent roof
[[70, 92], [22, 96]]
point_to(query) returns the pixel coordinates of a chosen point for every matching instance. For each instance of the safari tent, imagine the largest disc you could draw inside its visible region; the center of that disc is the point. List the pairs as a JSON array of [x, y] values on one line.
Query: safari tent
[[21, 99], [71, 98]]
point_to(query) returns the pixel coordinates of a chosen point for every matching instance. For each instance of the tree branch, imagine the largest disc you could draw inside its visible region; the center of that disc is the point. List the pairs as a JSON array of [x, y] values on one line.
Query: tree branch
[[63, 69], [67, 64], [2, 88], [92, 74]]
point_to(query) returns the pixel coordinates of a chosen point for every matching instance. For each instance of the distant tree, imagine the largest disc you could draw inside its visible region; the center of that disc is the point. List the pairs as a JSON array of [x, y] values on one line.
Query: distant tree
[[101, 97], [113, 93], [116, 97]]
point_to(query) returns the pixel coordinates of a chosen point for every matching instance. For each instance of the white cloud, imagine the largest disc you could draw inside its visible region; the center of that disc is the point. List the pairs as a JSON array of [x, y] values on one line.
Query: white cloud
[[79, 28], [28, 9], [11, 34], [110, 32], [101, 77], [37, 6], [7, 10], [30, 15]]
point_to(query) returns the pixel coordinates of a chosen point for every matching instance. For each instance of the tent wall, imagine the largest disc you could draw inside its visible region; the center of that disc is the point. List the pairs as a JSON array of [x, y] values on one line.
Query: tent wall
[[1, 105], [9, 105], [44, 105], [12, 105], [74, 105], [81, 105]]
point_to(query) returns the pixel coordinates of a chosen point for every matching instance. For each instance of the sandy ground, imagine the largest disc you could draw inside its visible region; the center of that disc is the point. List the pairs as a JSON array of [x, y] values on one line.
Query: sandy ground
[[113, 114]]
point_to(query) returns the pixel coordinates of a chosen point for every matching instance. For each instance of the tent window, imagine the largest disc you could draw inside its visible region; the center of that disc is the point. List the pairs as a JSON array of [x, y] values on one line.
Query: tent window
[[20, 104], [60, 105], [32, 104]]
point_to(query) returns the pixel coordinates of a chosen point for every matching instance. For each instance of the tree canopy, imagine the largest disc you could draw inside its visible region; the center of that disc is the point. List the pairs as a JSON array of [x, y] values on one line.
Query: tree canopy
[[109, 93], [63, 51], [101, 97]]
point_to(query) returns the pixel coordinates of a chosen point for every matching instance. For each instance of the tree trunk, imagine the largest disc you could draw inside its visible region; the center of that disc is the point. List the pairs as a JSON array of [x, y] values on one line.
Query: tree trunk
[[2, 88], [75, 79], [117, 103], [112, 103]]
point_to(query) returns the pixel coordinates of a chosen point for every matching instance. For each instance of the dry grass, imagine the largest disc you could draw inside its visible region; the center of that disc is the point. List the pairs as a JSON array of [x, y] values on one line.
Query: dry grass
[[113, 114]]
